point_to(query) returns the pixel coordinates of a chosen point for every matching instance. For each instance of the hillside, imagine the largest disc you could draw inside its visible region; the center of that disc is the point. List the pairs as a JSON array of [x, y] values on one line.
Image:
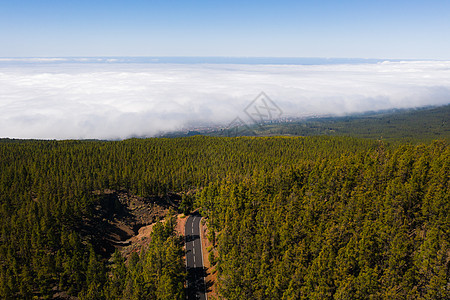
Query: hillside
[[290, 217], [404, 125], [423, 124]]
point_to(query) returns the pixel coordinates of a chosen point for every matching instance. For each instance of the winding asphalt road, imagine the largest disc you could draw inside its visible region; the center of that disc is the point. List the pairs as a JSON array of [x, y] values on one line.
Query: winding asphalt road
[[196, 286]]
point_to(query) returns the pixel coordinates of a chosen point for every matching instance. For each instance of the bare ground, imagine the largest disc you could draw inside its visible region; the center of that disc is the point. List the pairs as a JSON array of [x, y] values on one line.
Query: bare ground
[[123, 221], [211, 276]]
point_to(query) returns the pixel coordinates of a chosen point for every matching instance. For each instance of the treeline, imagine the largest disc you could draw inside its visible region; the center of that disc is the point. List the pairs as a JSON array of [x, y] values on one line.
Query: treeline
[[374, 224], [47, 194]]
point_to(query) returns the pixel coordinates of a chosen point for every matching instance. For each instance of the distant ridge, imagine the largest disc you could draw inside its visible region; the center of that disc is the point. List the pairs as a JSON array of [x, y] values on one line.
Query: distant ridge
[[413, 125]]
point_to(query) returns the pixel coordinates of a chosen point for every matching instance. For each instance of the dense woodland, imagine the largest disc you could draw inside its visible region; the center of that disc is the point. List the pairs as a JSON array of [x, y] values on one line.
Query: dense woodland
[[291, 217], [373, 224]]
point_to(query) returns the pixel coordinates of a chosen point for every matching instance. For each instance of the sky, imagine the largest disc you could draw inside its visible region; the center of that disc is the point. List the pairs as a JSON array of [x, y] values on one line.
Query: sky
[[119, 69], [401, 29]]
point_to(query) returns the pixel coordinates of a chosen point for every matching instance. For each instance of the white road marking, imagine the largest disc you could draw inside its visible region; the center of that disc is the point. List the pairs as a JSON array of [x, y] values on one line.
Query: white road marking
[[193, 255]]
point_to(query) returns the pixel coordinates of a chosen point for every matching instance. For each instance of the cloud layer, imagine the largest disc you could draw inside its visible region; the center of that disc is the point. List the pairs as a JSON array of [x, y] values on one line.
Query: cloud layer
[[108, 101]]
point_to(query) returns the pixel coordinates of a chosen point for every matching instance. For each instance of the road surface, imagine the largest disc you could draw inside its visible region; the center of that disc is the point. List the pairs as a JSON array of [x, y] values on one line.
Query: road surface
[[194, 259]]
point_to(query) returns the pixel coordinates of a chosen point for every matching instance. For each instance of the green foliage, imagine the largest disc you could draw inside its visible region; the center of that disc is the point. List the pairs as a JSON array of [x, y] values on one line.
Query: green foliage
[[368, 225], [158, 273], [290, 218], [424, 124]]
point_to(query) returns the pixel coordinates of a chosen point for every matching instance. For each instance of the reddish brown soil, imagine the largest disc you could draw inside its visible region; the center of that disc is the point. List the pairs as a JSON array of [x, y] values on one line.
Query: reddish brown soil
[[211, 277], [123, 221], [181, 222], [120, 220], [139, 241]]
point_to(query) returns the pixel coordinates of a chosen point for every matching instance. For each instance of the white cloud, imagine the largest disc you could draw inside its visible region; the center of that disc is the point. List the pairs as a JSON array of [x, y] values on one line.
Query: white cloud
[[88, 100]]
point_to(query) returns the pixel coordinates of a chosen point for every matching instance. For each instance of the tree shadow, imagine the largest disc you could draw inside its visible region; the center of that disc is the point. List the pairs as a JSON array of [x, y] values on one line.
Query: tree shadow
[[190, 238], [196, 282], [110, 225]]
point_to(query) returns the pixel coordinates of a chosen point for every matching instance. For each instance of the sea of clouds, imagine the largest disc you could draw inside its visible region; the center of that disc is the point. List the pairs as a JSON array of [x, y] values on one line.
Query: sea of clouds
[[59, 100]]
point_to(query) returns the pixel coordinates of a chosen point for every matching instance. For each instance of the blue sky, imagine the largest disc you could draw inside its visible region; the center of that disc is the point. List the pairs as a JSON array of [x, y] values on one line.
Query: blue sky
[[365, 29]]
